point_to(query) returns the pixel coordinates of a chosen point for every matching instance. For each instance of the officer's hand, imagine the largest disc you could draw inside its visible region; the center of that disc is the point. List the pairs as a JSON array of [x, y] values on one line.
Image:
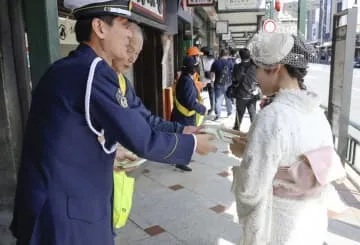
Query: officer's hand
[[192, 129], [122, 154], [204, 145], [121, 169], [238, 147], [189, 130]]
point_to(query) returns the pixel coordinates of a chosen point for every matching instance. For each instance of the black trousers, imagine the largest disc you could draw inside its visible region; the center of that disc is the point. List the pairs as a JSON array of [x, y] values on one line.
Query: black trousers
[[241, 105], [210, 90]]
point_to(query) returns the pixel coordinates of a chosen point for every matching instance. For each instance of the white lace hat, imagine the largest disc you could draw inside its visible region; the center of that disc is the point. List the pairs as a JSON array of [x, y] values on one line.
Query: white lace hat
[[269, 49]]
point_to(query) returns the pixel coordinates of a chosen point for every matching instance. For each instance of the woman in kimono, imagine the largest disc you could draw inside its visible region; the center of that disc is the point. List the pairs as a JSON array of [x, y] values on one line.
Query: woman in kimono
[[273, 209]]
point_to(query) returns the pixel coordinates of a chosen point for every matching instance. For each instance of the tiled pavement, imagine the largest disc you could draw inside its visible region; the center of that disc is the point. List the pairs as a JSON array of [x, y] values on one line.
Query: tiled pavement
[[175, 208]]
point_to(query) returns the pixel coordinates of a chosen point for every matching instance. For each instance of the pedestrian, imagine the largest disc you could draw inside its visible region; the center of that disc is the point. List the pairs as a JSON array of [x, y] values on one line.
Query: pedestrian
[[122, 65], [276, 204], [207, 61], [221, 78], [65, 180], [199, 72], [234, 57], [188, 108], [245, 87]]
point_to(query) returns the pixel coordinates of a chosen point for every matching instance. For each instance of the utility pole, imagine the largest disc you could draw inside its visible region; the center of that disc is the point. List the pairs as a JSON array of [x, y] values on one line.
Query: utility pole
[[269, 9], [301, 17]]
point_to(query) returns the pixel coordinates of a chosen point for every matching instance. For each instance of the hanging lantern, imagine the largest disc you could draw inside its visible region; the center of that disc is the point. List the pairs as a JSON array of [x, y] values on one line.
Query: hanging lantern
[[277, 5]]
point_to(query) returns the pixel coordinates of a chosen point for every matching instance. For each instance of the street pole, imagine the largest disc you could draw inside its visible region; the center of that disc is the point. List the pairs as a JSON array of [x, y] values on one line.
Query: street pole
[[301, 18], [269, 9]]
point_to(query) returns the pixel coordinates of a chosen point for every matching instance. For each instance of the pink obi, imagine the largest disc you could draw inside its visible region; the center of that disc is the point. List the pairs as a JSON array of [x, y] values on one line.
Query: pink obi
[[309, 176]]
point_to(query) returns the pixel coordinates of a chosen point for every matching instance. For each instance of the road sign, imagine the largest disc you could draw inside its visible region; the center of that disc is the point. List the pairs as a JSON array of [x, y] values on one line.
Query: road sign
[[269, 25], [341, 77]]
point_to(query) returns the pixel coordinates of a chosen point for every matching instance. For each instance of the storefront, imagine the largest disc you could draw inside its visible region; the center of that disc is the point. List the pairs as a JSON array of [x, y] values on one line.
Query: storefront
[[153, 71], [147, 73]]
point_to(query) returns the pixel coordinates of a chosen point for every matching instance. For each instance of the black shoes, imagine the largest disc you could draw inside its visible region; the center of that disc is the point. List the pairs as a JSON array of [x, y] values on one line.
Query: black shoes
[[209, 112], [183, 167]]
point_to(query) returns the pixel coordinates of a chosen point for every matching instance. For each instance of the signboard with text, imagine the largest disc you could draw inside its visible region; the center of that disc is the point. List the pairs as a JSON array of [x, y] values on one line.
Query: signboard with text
[[228, 5], [153, 9], [341, 78], [193, 3], [226, 37], [222, 27], [67, 31]]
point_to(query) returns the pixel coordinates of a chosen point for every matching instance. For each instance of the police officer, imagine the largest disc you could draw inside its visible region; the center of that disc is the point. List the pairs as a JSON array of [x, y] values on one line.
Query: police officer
[[65, 180]]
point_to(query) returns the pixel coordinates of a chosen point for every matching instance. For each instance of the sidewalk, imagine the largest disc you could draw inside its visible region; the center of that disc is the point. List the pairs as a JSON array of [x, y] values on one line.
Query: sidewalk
[[175, 208]]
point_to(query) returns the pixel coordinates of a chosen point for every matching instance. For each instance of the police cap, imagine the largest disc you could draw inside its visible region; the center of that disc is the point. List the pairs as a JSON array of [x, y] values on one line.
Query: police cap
[[92, 8]]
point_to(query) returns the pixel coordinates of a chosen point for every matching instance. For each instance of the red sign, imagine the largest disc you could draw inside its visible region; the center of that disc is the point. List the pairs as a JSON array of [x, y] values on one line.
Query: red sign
[[269, 25]]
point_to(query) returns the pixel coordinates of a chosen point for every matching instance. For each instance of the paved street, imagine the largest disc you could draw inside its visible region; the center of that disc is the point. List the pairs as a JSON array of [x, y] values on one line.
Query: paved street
[[318, 80]]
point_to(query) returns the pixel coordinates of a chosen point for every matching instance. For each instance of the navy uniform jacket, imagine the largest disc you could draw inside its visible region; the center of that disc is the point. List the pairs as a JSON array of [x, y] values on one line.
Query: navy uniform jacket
[[187, 94], [65, 180], [157, 123]]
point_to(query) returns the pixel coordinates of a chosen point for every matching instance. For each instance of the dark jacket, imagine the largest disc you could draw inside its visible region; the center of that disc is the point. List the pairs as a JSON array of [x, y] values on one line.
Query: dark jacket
[[244, 80], [187, 95], [65, 180]]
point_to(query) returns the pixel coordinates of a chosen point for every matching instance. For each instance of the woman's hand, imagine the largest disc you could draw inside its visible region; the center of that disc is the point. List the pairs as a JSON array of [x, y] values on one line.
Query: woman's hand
[[235, 132]]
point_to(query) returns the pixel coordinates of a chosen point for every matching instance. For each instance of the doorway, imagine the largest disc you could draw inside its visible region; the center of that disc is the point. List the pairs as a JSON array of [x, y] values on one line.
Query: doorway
[[147, 71]]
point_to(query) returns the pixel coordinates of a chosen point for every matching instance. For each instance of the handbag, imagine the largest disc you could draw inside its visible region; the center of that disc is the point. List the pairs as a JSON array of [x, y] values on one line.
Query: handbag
[[123, 196]]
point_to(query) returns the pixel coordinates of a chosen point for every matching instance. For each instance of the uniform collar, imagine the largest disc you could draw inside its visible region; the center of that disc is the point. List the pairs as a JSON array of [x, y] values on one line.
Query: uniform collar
[[85, 51]]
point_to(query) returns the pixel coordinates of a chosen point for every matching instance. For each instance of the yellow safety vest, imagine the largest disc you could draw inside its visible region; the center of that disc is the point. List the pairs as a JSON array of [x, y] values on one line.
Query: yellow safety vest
[[122, 83], [123, 185], [186, 112]]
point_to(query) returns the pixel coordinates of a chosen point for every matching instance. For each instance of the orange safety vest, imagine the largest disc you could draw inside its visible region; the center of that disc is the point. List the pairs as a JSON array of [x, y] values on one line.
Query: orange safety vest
[[198, 84]]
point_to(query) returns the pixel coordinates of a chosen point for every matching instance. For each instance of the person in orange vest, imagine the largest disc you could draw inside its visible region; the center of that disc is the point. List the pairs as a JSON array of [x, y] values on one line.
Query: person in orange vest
[[188, 108], [196, 53]]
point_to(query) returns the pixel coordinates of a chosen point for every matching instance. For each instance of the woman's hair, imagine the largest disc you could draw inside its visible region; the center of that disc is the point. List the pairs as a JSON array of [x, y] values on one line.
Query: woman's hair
[[83, 27], [301, 53], [298, 73]]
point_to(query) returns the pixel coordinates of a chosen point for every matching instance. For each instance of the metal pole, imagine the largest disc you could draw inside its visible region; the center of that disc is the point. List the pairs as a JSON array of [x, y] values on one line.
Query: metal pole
[[341, 77], [301, 18]]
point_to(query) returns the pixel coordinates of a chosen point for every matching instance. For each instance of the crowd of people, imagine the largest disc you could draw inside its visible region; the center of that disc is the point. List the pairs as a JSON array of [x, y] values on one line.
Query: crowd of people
[[84, 112], [230, 77]]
